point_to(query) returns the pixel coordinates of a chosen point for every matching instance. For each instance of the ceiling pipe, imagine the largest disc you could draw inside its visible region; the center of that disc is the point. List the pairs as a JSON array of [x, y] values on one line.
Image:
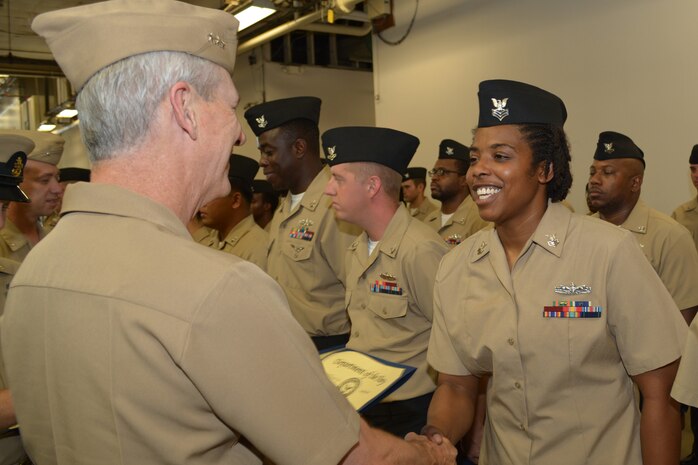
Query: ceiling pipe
[[344, 6], [356, 31]]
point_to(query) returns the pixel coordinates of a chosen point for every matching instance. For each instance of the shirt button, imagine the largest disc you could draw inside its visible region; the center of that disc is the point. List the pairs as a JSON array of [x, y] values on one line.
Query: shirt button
[[517, 385], [522, 427], [510, 341], [385, 312], [356, 334]]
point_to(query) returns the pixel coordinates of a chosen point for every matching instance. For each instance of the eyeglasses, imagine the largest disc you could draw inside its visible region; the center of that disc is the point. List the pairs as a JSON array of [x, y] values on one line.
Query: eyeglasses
[[442, 172]]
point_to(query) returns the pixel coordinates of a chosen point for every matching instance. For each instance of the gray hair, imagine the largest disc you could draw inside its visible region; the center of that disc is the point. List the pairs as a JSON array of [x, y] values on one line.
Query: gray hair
[[117, 104]]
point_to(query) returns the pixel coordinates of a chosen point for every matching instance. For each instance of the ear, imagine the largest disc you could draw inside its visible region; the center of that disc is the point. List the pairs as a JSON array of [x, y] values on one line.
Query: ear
[[545, 175], [636, 183], [373, 186], [299, 147], [236, 200], [182, 97]]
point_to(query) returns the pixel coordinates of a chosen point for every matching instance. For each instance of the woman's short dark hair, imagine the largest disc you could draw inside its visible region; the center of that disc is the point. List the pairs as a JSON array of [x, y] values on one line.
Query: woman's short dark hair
[[549, 144]]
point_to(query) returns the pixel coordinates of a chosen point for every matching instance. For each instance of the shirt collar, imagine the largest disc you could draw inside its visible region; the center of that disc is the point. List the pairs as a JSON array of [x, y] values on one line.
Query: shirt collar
[[637, 219]]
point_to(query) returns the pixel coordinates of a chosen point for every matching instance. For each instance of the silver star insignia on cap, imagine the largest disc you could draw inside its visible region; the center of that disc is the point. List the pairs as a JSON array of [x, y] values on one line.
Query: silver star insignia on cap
[[449, 150], [261, 122], [608, 148], [216, 40], [499, 111], [331, 153]]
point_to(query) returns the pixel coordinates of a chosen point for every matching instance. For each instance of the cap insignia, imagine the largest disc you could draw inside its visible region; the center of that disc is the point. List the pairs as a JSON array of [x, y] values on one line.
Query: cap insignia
[[572, 289], [331, 153], [449, 150], [499, 111], [216, 40], [608, 148], [262, 122], [17, 169]]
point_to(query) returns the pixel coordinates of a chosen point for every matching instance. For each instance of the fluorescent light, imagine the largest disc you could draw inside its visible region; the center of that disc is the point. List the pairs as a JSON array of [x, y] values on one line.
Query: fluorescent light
[[46, 127], [67, 113], [253, 13]]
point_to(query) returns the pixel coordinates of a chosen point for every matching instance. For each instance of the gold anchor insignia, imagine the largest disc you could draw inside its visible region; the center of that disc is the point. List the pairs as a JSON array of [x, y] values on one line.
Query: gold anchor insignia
[[17, 168], [481, 249], [331, 153], [216, 40], [261, 122], [388, 277], [552, 240], [305, 223], [608, 148]]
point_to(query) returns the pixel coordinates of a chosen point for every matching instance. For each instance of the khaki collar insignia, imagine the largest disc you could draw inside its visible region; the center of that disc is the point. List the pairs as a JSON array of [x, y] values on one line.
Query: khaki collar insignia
[[572, 289], [608, 148], [481, 249], [262, 122], [499, 111], [552, 240], [331, 153], [216, 40]]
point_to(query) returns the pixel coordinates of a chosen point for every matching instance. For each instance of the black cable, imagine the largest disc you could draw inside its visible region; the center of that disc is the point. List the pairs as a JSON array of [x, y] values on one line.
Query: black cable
[[409, 28]]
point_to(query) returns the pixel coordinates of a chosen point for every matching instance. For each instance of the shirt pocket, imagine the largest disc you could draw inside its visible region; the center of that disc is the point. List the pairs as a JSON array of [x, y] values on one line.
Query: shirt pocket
[[388, 306], [298, 251]]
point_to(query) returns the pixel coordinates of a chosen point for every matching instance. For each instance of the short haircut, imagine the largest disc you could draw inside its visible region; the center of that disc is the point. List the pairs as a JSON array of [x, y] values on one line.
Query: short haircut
[[391, 180], [243, 187], [549, 144], [117, 105], [302, 129]]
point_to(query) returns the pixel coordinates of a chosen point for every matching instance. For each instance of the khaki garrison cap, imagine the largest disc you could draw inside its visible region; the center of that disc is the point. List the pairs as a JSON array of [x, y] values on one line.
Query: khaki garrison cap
[[48, 147], [87, 38]]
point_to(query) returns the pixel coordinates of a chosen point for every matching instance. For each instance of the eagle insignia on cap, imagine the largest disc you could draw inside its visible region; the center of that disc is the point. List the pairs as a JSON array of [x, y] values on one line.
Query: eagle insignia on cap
[[262, 122], [331, 153], [449, 150], [216, 40], [499, 111], [608, 148], [17, 168]]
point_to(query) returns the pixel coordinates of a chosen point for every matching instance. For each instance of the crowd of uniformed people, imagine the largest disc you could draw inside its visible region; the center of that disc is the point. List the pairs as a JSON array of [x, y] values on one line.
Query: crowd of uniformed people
[[538, 335]]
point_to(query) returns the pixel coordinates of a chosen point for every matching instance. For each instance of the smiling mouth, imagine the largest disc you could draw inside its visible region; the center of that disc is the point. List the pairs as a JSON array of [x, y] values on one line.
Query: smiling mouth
[[486, 192]]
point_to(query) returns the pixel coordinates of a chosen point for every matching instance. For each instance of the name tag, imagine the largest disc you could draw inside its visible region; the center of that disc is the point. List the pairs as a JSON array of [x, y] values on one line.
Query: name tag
[[572, 309]]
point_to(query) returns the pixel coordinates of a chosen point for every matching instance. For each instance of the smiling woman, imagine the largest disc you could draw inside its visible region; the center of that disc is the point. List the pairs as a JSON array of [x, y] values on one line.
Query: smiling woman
[[556, 332]]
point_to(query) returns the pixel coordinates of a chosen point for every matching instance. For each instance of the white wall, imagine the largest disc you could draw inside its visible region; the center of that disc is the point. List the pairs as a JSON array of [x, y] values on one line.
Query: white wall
[[347, 96], [623, 65]]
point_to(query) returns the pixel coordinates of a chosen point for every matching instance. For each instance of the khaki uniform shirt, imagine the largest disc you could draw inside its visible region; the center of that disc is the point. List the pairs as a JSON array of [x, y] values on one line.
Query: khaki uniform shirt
[[559, 390], [246, 240], [684, 389], [427, 207], [13, 244], [11, 450], [687, 216], [145, 348], [389, 297], [203, 235], [670, 250], [464, 223], [306, 257]]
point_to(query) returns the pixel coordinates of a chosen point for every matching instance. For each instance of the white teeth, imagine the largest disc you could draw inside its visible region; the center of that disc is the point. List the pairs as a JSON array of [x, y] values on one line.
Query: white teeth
[[484, 192]]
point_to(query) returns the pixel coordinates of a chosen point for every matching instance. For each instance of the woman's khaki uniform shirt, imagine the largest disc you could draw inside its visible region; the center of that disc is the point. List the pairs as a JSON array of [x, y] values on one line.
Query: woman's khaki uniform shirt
[[126, 342], [464, 223], [390, 297], [306, 257], [560, 390]]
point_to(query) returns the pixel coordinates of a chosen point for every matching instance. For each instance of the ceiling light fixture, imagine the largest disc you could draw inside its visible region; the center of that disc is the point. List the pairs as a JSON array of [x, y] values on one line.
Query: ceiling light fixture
[[254, 12], [46, 127], [67, 113]]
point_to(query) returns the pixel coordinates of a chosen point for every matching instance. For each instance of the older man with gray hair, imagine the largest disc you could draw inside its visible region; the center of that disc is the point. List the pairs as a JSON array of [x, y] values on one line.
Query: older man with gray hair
[[124, 340]]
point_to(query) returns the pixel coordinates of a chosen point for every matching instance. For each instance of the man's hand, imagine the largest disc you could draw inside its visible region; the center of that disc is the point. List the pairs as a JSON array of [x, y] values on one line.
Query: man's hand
[[440, 453]]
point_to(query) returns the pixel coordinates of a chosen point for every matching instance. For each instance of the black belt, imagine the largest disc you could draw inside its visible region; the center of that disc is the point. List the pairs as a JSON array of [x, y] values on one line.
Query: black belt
[[326, 342]]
